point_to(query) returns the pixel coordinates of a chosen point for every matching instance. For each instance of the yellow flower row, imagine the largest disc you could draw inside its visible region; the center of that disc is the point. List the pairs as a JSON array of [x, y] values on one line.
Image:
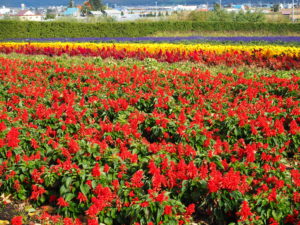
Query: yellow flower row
[[269, 50]]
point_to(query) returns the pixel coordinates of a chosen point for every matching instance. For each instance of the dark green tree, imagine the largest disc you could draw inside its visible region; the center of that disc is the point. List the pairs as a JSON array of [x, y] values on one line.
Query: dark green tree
[[275, 8], [71, 4], [97, 5], [217, 7], [85, 10]]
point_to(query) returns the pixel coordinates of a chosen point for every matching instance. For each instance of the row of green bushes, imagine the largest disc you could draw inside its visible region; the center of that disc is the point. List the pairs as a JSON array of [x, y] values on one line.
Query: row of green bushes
[[17, 29]]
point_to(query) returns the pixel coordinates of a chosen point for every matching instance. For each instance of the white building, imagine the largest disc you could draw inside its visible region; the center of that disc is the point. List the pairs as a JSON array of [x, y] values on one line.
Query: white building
[[113, 13], [29, 16], [4, 10], [97, 13], [185, 8], [236, 8], [202, 7], [129, 17]]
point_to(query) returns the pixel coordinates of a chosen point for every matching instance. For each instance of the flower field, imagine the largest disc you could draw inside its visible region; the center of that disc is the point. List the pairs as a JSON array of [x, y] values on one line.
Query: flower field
[[270, 56], [111, 144]]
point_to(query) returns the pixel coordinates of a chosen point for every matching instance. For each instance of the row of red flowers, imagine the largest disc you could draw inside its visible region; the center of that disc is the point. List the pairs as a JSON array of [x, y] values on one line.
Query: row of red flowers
[[130, 146], [234, 58]]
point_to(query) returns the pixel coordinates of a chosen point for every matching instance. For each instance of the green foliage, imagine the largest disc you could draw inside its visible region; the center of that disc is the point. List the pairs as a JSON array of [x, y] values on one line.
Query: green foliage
[[85, 10], [19, 29], [96, 5], [220, 15], [199, 16], [255, 17], [217, 7], [275, 8], [50, 16], [71, 4]]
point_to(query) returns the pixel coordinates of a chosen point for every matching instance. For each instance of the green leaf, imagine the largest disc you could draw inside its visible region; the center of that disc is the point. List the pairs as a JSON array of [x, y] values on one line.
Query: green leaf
[[84, 188], [69, 197], [108, 221], [68, 181], [21, 196], [63, 189]]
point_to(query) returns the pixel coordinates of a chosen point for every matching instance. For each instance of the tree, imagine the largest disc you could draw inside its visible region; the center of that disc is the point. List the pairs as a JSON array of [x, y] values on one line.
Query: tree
[[50, 17], [85, 10], [249, 17], [71, 4], [217, 7], [220, 15], [96, 5], [275, 8], [199, 16], [50, 14]]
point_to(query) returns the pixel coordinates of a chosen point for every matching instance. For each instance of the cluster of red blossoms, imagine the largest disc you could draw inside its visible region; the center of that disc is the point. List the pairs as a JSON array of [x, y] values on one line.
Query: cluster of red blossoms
[[131, 146]]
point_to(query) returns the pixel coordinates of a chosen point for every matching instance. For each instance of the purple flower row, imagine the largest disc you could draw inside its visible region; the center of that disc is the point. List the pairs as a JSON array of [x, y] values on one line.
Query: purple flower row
[[271, 39]]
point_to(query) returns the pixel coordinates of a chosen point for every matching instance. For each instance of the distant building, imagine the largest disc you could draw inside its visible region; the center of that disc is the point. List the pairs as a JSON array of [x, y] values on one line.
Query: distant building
[[185, 8], [28, 15], [202, 10], [97, 13], [266, 11], [288, 6], [281, 6], [4, 10], [236, 8], [203, 7], [290, 11], [129, 17], [72, 12], [113, 13]]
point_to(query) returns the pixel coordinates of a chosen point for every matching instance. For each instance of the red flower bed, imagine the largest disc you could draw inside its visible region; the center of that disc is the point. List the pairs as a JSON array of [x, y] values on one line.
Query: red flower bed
[[129, 146], [254, 58]]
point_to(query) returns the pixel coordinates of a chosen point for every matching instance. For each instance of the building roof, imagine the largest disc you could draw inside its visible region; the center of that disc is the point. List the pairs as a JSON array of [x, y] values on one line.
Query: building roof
[[25, 13]]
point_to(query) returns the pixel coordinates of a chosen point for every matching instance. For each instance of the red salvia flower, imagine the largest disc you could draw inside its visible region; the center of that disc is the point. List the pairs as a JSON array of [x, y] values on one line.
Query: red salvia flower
[[136, 179], [168, 210], [17, 220], [96, 170], [61, 202], [81, 197], [245, 211], [12, 137], [93, 222]]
